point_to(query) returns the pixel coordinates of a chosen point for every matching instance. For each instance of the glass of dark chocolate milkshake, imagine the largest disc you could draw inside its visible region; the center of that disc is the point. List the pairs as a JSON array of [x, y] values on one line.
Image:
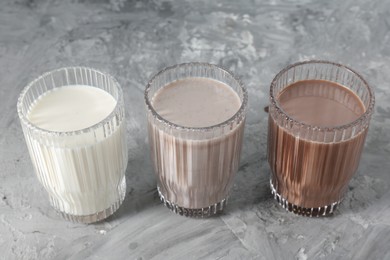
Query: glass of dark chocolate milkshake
[[318, 120], [196, 115]]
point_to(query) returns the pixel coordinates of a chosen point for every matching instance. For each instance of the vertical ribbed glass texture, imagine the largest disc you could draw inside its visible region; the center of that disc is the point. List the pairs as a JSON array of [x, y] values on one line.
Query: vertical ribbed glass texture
[[83, 171], [312, 165], [195, 167]]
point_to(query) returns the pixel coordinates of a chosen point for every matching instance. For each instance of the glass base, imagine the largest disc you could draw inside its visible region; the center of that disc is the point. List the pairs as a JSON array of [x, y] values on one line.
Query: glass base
[[195, 213], [308, 212], [87, 219]]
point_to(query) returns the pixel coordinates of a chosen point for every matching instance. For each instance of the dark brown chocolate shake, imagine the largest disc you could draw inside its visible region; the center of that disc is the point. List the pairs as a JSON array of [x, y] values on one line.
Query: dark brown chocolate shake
[[310, 177]]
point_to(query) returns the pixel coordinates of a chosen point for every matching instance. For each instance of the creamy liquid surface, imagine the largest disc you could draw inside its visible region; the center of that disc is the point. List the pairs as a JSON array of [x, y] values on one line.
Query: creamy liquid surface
[[196, 102], [71, 108], [320, 103]]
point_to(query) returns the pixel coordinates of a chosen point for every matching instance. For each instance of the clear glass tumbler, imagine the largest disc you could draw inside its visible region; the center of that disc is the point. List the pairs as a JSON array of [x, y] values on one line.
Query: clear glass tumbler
[[195, 166], [83, 171], [312, 163]]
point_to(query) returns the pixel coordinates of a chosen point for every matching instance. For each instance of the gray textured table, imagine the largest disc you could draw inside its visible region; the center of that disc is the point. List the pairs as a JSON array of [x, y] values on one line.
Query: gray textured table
[[133, 40]]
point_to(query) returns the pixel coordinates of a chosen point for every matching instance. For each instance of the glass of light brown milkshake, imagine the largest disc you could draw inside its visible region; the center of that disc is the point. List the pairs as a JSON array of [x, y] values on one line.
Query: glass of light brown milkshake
[[318, 120], [196, 115]]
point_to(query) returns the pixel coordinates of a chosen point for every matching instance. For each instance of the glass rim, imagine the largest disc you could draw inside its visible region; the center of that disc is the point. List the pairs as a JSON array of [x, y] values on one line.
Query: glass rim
[[363, 117], [23, 118], [239, 113]]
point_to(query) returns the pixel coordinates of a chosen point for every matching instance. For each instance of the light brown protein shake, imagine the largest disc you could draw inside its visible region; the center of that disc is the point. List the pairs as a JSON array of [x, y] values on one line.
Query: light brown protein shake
[[313, 174], [195, 174]]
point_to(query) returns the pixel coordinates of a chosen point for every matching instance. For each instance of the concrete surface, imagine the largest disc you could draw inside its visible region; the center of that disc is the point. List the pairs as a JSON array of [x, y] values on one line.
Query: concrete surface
[[133, 40]]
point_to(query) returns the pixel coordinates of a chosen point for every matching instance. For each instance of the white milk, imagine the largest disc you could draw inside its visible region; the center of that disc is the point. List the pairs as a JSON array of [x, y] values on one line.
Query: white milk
[[83, 173], [71, 108]]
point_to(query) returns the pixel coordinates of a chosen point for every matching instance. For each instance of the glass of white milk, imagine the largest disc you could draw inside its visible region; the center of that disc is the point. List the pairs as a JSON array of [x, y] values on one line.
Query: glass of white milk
[[73, 120]]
